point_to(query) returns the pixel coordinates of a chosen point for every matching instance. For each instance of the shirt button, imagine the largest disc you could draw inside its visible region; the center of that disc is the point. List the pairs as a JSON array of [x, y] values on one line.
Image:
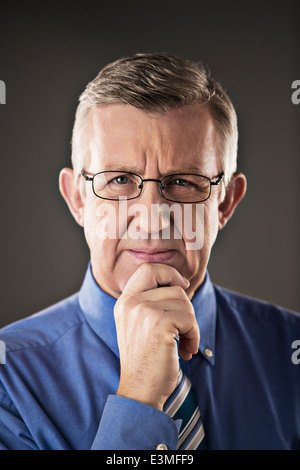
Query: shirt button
[[208, 352], [162, 447]]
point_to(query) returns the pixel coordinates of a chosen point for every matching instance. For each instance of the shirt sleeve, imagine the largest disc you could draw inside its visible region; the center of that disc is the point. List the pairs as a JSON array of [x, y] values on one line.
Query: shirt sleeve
[[130, 425], [14, 434]]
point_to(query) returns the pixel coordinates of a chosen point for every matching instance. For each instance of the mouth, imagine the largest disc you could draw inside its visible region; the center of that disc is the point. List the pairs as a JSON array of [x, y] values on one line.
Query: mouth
[[152, 256]]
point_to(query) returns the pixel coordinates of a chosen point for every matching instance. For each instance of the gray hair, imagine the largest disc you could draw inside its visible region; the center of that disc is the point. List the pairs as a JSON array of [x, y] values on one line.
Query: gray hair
[[157, 83]]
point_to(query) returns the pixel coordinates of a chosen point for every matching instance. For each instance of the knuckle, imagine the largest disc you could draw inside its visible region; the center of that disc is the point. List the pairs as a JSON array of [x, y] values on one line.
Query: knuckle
[[179, 293], [125, 304], [147, 271], [146, 268], [191, 317]]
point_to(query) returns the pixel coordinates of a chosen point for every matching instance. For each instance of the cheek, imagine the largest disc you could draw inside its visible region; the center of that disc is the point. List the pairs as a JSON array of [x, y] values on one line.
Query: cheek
[[200, 226], [200, 229], [101, 228], [211, 221]]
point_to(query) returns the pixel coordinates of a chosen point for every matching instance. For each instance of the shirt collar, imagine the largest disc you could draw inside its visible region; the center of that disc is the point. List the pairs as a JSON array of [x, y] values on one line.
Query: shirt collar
[[205, 306], [98, 308]]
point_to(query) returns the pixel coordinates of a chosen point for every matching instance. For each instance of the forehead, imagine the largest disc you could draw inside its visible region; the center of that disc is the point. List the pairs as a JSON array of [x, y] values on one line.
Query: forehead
[[121, 135]]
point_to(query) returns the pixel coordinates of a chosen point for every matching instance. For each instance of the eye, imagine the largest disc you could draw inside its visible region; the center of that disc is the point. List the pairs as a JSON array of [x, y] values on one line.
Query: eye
[[179, 182], [122, 179]]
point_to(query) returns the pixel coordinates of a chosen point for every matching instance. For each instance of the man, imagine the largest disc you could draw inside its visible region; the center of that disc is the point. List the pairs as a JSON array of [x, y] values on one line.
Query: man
[[153, 181]]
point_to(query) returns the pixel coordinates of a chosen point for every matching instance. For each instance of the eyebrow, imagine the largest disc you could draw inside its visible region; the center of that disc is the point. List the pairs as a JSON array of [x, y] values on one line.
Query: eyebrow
[[132, 169]]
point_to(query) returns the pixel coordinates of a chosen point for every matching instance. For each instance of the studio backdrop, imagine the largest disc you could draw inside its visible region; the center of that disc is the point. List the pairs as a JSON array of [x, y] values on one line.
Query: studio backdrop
[[49, 52]]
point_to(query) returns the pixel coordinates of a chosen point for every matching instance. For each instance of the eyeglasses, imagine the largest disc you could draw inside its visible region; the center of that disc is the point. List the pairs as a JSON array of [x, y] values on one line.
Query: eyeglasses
[[179, 187]]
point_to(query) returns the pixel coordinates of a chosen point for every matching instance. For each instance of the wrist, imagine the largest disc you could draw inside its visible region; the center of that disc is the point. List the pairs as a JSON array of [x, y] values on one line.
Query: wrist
[[140, 397]]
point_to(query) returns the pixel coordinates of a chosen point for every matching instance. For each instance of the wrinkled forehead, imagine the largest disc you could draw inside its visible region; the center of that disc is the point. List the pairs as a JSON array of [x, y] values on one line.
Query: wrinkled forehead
[[123, 136]]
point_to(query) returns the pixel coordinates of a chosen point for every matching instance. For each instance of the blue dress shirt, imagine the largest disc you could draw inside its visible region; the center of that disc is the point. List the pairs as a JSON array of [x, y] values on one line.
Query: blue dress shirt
[[59, 381]]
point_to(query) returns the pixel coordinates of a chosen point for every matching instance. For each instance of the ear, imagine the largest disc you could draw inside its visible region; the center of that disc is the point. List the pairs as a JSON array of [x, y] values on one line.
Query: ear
[[235, 192], [71, 193]]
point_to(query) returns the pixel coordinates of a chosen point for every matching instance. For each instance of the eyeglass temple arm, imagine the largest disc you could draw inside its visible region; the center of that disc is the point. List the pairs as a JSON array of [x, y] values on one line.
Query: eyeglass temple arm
[[221, 175], [87, 178]]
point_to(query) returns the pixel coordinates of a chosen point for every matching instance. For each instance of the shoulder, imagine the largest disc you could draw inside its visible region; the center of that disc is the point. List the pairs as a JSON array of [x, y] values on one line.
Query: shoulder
[[44, 327], [253, 308]]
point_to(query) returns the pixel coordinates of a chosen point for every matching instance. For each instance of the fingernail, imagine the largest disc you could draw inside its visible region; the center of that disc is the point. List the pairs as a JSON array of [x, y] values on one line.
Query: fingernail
[[186, 281]]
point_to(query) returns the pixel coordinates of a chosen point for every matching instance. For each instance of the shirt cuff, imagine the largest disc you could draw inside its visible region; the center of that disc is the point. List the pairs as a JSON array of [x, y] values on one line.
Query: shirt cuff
[[130, 425]]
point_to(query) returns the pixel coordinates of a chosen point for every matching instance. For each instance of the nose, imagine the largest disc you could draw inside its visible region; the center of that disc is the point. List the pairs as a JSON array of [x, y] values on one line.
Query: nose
[[159, 185], [150, 218]]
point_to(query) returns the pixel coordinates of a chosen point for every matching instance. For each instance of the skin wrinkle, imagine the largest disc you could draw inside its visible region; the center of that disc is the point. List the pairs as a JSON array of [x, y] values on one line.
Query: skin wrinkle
[[153, 146], [157, 145], [123, 133]]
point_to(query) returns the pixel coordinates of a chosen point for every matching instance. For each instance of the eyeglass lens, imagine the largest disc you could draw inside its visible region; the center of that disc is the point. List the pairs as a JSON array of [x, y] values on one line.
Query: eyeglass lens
[[179, 187]]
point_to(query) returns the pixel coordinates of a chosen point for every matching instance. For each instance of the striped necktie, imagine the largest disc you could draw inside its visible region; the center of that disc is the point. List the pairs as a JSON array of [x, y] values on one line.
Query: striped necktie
[[182, 404]]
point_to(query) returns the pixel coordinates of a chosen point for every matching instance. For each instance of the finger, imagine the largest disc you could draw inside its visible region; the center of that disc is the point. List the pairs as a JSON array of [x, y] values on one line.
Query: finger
[[167, 305], [189, 343], [165, 293], [178, 321], [152, 275]]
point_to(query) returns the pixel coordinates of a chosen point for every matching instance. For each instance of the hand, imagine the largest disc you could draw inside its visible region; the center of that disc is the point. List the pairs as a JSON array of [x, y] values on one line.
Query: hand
[[148, 320]]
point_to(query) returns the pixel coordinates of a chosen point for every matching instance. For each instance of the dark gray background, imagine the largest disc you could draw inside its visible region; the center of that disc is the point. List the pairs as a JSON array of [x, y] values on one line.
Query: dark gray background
[[47, 56]]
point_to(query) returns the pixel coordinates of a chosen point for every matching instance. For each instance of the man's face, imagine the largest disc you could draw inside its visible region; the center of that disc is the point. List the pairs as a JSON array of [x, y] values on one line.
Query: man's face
[[180, 141]]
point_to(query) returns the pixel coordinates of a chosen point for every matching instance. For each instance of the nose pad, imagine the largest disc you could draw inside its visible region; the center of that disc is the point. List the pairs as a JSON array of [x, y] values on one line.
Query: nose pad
[[161, 188]]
